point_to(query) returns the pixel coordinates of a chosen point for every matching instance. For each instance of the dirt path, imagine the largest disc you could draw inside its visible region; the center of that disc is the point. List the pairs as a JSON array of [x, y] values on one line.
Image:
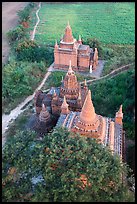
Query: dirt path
[[113, 73], [9, 21], [38, 20]]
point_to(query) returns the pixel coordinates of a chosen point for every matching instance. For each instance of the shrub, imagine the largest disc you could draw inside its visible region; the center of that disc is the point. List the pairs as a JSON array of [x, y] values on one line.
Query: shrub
[[19, 80], [24, 14], [16, 34], [30, 51]]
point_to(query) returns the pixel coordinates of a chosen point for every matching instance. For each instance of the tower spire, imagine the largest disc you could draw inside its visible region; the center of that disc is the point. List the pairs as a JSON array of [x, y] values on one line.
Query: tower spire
[[79, 37], [44, 114], [88, 114], [70, 68], [64, 107], [119, 116], [61, 78], [79, 95], [68, 37], [56, 44]]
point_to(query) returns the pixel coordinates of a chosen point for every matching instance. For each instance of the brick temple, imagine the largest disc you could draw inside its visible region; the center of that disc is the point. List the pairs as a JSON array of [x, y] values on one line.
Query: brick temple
[[83, 58], [71, 106], [70, 88], [108, 131]]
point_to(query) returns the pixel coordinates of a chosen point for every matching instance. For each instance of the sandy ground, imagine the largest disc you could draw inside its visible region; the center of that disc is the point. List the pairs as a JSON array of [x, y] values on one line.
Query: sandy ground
[[9, 21]]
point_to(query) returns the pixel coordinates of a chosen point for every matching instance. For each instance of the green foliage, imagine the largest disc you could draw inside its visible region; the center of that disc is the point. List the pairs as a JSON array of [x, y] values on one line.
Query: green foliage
[[119, 56], [131, 156], [114, 92], [16, 34], [60, 159], [24, 14], [29, 50], [17, 82]]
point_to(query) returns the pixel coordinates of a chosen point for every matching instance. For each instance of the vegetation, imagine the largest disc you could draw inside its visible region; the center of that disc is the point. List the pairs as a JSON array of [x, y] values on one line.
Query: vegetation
[[16, 34], [17, 83], [119, 90], [109, 22], [21, 31], [120, 56], [49, 170], [24, 15], [26, 67], [29, 50]]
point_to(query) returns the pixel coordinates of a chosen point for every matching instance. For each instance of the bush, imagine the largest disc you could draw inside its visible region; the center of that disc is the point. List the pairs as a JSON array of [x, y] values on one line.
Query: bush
[[16, 34], [19, 80], [103, 51], [24, 14], [29, 50]]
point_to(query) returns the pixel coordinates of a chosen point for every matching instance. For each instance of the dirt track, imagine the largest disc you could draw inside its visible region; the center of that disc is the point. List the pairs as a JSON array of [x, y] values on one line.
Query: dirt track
[[9, 21]]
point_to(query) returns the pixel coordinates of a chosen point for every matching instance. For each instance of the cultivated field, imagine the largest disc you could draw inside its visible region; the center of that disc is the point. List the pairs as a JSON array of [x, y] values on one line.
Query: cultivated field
[[110, 23]]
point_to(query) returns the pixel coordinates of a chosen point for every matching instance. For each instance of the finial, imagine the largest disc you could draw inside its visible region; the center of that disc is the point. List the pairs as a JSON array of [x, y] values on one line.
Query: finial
[[120, 109], [43, 107], [96, 49], [65, 99], [56, 44], [68, 23], [54, 93], [64, 104], [79, 96], [85, 82], [70, 68], [61, 36], [79, 37]]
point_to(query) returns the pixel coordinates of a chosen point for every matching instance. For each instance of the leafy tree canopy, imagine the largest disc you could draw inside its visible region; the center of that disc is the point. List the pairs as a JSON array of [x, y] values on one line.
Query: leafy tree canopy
[[60, 167]]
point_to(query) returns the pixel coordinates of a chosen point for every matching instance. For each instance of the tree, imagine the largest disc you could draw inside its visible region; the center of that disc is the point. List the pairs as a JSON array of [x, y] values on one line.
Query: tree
[[60, 167]]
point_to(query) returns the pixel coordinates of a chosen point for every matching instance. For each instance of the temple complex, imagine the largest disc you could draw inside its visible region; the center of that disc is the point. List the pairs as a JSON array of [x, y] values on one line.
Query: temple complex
[[107, 131], [83, 58], [71, 106]]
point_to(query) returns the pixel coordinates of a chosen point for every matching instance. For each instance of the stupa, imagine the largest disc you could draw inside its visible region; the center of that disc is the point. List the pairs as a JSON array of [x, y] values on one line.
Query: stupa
[[108, 131]]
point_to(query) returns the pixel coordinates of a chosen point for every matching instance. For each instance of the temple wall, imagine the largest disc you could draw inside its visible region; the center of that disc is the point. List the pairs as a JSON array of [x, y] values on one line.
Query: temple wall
[[62, 59]]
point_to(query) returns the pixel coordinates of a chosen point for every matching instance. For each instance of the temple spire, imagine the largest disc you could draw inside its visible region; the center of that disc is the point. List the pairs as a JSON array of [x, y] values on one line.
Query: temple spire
[[56, 44], [44, 114], [79, 37], [70, 71], [79, 96], [87, 114], [68, 37], [119, 116], [64, 107]]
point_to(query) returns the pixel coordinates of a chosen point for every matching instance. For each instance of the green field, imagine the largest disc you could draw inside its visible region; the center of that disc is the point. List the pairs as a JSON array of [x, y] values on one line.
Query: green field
[[110, 23]]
